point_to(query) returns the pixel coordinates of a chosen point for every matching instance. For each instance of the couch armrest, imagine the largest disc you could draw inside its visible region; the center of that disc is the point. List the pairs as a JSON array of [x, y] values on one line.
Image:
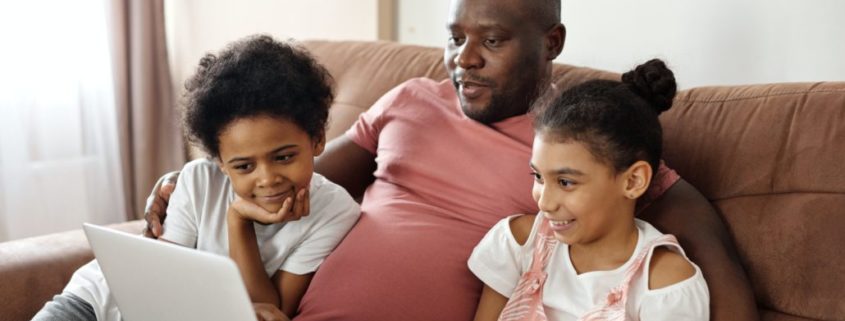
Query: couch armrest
[[32, 270]]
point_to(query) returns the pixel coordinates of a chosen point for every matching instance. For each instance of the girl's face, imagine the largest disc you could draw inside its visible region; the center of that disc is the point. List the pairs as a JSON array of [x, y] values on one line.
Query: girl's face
[[583, 199], [268, 159]]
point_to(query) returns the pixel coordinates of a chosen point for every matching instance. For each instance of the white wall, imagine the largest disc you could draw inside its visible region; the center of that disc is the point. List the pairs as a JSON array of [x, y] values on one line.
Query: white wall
[[196, 27], [714, 42]]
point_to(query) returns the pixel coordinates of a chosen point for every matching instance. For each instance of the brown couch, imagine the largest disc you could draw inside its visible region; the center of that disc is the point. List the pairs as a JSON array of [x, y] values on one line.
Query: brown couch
[[768, 157]]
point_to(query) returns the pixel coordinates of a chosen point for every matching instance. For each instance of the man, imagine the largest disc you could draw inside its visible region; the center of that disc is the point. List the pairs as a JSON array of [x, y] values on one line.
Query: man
[[452, 161]]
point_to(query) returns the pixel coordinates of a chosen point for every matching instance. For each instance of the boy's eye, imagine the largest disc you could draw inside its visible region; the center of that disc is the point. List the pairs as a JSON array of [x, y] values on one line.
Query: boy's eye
[[537, 177], [243, 167]]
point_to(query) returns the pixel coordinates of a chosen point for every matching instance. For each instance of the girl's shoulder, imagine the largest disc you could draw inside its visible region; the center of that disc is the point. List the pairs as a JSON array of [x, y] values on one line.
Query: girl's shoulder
[[667, 265], [521, 227], [668, 268]]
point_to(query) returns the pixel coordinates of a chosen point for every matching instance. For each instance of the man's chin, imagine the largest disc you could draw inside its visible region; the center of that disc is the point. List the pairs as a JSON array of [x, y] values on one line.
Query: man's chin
[[479, 114]]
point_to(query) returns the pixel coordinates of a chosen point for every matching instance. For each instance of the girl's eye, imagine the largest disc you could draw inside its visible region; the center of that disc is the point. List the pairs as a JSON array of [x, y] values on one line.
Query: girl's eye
[[566, 183]]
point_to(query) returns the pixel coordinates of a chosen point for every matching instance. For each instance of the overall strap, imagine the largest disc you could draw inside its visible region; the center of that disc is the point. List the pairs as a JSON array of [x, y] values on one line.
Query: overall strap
[[617, 299], [526, 302]]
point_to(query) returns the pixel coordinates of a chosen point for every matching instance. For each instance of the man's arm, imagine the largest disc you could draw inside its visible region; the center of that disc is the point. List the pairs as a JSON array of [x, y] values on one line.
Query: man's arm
[[687, 214], [348, 165]]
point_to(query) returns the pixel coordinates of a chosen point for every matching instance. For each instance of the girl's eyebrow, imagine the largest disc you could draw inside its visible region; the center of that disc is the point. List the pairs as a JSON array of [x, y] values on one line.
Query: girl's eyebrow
[[278, 149], [562, 171]]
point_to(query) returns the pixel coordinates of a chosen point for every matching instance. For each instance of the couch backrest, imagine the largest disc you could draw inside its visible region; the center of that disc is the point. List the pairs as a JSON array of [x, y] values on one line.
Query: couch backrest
[[767, 156], [770, 159]]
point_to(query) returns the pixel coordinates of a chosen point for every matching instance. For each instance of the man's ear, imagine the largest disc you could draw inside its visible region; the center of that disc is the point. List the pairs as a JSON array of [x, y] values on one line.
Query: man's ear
[[636, 179], [555, 38], [320, 144]]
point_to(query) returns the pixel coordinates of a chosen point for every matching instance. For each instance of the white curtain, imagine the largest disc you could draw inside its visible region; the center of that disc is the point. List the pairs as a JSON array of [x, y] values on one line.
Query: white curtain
[[59, 156]]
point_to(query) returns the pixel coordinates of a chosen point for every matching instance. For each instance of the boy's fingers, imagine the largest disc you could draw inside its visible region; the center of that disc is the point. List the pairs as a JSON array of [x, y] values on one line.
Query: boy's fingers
[[157, 230], [307, 203]]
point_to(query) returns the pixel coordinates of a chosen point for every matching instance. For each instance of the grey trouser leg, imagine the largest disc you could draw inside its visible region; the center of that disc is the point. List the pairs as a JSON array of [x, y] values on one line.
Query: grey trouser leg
[[66, 307]]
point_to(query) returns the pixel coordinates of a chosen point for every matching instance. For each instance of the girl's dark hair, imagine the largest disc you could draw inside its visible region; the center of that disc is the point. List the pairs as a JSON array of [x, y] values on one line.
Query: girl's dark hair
[[617, 121], [256, 76]]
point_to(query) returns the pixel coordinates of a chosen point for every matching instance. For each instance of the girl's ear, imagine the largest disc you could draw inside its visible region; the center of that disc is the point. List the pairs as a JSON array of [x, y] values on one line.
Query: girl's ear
[[637, 179], [320, 144]]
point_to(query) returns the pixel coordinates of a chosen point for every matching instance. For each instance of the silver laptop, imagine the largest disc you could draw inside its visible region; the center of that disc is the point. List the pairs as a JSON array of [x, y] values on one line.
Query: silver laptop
[[154, 280]]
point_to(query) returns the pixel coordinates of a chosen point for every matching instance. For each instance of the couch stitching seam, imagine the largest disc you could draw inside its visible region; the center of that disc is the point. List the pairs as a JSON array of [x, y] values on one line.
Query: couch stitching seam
[[761, 96]]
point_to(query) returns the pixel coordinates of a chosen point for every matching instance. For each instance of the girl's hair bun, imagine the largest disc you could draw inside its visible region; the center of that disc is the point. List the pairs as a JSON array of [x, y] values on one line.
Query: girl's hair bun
[[654, 82]]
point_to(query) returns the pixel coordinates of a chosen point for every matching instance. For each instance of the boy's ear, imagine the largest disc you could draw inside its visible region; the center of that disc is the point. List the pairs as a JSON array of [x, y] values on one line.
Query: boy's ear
[[320, 144], [220, 164], [637, 179]]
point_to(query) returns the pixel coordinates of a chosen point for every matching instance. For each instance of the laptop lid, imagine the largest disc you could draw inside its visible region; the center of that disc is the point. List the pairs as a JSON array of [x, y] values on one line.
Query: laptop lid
[[155, 280]]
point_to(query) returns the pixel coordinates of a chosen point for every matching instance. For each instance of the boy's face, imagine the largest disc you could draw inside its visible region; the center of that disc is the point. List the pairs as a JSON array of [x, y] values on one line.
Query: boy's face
[[267, 159]]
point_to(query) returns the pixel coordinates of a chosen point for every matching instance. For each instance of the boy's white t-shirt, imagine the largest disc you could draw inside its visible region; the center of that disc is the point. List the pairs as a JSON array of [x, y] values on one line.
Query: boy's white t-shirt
[[196, 217], [499, 261]]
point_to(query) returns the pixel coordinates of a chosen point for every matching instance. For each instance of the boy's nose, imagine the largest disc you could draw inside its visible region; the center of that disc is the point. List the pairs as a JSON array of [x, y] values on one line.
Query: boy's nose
[[267, 177]]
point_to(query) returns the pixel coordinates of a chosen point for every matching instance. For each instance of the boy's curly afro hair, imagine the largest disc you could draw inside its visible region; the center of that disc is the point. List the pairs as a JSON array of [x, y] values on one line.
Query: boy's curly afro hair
[[256, 76]]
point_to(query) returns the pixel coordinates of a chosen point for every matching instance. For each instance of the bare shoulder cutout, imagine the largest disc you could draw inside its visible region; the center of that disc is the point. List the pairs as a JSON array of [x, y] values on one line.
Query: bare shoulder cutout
[[668, 268], [521, 227]]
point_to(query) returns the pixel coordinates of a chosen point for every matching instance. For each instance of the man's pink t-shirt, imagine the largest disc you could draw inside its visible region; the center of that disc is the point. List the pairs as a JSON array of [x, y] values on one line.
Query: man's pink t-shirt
[[442, 181]]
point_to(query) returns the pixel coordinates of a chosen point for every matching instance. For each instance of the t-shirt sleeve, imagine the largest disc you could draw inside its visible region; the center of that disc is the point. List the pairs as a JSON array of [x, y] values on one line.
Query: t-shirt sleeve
[[338, 212], [498, 259], [660, 183], [365, 131], [688, 300], [180, 225]]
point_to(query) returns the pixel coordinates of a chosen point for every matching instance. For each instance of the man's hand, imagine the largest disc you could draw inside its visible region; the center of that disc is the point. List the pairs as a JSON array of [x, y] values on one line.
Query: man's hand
[[156, 209], [292, 209], [268, 312]]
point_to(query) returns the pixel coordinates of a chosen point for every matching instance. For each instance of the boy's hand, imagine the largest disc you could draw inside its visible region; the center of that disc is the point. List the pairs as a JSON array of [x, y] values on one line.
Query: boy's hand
[[292, 209], [268, 312], [156, 209]]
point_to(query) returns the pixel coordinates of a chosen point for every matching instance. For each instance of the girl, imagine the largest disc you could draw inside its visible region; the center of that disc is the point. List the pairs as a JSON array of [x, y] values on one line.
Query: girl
[[585, 256], [259, 109]]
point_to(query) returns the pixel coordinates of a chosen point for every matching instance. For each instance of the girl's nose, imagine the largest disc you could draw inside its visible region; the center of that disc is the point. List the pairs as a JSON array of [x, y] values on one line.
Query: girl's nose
[[547, 202]]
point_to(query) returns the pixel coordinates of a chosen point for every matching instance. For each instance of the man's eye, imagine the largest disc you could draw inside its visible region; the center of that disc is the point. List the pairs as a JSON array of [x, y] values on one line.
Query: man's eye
[[284, 158], [492, 42], [537, 177], [455, 40]]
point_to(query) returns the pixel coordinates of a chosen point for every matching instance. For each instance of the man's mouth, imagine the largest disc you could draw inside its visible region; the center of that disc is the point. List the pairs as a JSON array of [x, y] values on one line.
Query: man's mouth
[[471, 89]]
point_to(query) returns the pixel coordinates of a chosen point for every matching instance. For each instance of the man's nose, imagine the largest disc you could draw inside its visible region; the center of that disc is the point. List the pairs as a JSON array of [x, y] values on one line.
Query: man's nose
[[468, 56]]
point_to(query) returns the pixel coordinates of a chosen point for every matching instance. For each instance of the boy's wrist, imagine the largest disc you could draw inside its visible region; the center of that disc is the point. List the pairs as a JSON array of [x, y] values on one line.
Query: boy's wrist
[[236, 219]]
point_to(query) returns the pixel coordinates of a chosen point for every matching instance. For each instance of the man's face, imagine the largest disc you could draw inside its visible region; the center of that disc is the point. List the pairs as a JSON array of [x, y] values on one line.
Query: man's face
[[495, 57]]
